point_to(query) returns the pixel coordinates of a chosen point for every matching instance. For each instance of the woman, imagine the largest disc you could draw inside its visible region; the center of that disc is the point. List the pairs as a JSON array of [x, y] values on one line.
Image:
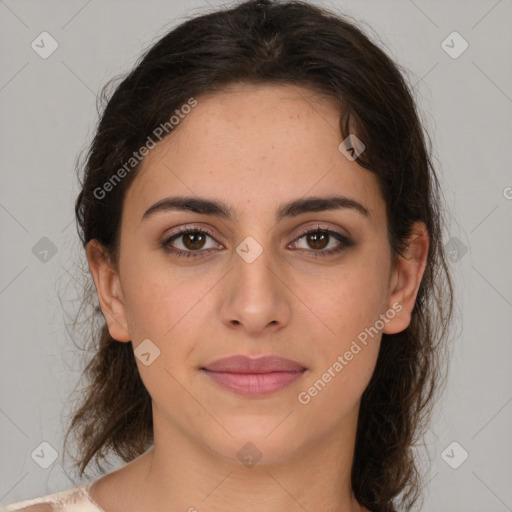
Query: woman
[[262, 222]]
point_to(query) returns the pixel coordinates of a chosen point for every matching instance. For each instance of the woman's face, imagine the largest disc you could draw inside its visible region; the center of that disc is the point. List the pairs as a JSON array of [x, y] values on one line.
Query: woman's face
[[251, 282]]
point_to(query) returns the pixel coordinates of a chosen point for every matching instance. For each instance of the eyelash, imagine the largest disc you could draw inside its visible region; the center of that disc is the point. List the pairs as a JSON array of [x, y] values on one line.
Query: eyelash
[[345, 242]]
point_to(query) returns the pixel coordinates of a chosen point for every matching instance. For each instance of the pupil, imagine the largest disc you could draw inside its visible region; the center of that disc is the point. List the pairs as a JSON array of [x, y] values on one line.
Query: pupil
[[316, 237], [196, 240]]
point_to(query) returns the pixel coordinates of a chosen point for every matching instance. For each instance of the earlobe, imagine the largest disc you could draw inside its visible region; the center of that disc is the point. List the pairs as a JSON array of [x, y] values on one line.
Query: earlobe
[[106, 280], [406, 279]]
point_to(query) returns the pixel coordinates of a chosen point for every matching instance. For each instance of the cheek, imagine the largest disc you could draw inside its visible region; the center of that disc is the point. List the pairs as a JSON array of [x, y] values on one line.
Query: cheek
[[347, 301], [164, 311], [334, 391], [147, 307], [349, 305], [153, 296], [346, 356], [169, 307]]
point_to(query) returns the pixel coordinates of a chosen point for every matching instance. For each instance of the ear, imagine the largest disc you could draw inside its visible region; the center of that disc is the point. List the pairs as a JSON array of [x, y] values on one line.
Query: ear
[[108, 287], [406, 279]]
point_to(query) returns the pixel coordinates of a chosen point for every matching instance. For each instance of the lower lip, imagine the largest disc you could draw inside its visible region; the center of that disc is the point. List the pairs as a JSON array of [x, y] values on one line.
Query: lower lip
[[254, 384]]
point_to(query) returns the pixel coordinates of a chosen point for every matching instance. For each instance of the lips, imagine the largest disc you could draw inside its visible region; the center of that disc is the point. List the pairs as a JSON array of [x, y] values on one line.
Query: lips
[[244, 364], [254, 377]]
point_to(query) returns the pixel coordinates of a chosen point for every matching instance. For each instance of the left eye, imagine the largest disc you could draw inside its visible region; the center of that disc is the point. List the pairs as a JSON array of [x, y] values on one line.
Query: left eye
[[193, 242], [319, 239]]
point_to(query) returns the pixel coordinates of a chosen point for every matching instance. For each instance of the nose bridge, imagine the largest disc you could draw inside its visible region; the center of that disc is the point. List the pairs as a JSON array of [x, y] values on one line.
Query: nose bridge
[[255, 268], [256, 296]]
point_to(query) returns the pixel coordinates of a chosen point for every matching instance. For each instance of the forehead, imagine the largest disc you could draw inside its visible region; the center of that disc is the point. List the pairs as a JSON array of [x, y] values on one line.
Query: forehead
[[255, 146]]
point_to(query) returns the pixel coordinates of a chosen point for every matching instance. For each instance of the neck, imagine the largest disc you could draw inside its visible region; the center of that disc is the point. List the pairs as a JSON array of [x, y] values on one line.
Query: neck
[[180, 473], [193, 478]]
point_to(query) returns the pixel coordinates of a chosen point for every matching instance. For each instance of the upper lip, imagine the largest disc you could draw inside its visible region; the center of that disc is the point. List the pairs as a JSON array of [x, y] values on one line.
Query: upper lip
[[262, 364]]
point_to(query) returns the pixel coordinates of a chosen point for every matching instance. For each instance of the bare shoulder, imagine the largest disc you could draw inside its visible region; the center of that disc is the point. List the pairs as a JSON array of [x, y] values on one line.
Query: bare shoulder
[[119, 490]]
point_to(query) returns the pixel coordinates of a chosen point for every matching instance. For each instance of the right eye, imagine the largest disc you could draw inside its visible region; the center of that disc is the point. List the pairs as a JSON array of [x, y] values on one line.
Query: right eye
[[192, 241]]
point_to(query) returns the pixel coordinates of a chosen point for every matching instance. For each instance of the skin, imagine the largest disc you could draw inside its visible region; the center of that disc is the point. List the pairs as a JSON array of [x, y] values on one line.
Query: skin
[[254, 148]]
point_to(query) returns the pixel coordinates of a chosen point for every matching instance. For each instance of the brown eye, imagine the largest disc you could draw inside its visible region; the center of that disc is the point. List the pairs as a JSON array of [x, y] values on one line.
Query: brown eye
[[317, 240], [194, 240], [190, 241]]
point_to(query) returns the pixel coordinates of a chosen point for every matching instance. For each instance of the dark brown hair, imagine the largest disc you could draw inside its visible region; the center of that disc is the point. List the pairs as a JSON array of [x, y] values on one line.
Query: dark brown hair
[[289, 42]]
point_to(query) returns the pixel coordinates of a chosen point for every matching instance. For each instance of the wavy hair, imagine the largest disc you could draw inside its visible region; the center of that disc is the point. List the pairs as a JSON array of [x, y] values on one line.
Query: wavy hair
[[288, 42]]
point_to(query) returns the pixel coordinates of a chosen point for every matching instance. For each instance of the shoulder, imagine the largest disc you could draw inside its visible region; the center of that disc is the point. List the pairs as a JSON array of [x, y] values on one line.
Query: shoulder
[[71, 500]]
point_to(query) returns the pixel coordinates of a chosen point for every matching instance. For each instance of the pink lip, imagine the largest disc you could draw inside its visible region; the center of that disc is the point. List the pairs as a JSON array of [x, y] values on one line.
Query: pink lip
[[254, 377]]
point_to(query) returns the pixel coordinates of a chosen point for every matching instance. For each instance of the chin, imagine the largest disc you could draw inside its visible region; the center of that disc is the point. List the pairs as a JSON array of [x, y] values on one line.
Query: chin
[[257, 443]]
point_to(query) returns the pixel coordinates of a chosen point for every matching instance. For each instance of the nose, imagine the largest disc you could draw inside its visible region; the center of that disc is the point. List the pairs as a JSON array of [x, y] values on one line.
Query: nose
[[255, 297]]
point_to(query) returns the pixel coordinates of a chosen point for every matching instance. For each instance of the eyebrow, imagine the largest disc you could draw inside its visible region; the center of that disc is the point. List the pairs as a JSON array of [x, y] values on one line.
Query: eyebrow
[[288, 210]]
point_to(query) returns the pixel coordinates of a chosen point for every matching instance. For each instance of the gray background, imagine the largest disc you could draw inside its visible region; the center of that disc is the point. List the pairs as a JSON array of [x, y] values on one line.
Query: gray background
[[48, 112]]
